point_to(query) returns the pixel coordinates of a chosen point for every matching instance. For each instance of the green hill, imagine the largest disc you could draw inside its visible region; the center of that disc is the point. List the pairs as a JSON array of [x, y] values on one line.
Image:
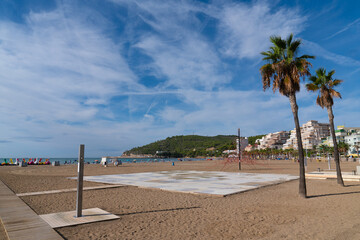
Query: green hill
[[187, 146]]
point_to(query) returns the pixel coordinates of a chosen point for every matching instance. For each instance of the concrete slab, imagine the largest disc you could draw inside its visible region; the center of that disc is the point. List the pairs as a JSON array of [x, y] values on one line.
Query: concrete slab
[[198, 182], [64, 219], [347, 176]]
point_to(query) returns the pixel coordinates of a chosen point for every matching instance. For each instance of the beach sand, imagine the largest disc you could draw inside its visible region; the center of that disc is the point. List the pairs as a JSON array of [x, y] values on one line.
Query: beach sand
[[273, 212]]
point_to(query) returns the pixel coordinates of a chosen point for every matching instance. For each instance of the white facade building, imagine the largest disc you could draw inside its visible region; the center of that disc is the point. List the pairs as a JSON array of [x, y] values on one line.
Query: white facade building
[[243, 144], [311, 133], [273, 140]]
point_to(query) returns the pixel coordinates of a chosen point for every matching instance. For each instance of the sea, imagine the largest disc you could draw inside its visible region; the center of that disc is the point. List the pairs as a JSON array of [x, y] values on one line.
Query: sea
[[98, 159]]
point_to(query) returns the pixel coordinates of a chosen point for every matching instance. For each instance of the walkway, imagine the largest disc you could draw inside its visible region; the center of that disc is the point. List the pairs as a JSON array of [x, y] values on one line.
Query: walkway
[[67, 190], [20, 221]]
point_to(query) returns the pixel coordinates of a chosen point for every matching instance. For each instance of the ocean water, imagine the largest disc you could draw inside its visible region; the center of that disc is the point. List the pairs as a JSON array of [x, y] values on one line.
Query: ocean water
[[97, 160]]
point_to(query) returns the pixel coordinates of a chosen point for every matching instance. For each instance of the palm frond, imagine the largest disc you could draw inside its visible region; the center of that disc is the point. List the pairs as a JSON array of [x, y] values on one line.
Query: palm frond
[[266, 73], [313, 79], [294, 46], [311, 87], [307, 57], [278, 42], [336, 82], [320, 72], [319, 101], [331, 73], [289, 39], [335, 93]]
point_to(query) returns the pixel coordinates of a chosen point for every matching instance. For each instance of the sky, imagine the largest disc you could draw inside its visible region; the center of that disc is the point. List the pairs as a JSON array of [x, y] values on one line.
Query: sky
[[117, 74]]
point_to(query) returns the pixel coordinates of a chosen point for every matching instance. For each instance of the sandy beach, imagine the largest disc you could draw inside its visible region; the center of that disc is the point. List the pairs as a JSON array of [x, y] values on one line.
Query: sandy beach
[[273, 212]]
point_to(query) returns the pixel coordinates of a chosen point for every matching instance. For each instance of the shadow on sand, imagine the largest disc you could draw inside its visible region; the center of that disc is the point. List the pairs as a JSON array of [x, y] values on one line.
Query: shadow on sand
[[333, 194], [154, 211]]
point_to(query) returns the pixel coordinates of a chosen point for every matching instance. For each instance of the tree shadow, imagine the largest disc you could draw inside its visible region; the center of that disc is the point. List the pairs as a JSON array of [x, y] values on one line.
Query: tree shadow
[[333, 194], [352, 185], [154, 211]]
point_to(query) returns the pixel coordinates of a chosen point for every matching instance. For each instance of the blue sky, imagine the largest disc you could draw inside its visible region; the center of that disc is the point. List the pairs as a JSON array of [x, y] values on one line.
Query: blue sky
[[118, 74]]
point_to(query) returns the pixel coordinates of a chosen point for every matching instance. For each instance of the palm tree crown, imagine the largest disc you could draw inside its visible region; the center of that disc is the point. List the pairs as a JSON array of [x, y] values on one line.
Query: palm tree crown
[[326, 85], [284, 67]]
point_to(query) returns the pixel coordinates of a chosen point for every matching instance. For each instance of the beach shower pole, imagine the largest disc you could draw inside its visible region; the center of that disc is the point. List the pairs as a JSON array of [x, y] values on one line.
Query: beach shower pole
[[239, 147], [80, 181]]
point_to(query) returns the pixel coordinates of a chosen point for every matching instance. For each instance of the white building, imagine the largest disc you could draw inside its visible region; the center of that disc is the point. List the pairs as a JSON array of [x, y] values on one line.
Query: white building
[[349, 135], [354, 142], [243, 143], [311, 134], [273, 140]]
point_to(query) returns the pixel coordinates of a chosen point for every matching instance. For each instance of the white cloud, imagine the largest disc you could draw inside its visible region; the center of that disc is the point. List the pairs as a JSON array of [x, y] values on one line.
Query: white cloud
[[65, 82], [319, 51], [347, 27], [179, 52], [190, 64], [55, 69], [245, 27], [220, 112], [172, 114]]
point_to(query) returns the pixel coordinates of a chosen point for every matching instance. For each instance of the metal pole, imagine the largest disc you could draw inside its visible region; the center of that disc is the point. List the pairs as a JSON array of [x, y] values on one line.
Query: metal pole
[[80, 181], [239, 146]]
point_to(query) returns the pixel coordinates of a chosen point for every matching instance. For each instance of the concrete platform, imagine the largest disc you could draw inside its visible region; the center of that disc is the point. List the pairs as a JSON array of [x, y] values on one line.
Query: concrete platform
[[64, 219], [347, 176], [198, 182]]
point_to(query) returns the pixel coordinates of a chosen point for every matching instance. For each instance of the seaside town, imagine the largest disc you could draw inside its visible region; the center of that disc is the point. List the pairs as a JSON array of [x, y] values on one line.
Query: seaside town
[[119, 118], [314, 136]]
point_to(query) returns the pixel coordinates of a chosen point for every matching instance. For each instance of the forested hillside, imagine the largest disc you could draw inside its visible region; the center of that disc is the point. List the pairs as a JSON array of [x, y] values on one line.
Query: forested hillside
[[187, 146]]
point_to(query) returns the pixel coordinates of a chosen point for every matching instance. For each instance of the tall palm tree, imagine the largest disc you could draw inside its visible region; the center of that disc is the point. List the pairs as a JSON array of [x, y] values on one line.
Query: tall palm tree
[[324, 83], [284, 69]]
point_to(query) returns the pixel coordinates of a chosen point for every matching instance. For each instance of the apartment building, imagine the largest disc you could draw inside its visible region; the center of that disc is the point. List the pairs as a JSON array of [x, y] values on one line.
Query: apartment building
[[273, 140], [311, 132], [243, 144], [349, 135]]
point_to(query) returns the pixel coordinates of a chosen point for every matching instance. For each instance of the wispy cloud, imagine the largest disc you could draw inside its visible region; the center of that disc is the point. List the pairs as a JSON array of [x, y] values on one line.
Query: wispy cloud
[[153, 69], [57, 68], [245, 27], [347, 27], [319, 51]]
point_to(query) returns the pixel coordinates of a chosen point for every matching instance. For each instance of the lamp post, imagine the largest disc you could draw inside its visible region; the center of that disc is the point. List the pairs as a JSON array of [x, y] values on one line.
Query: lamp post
[[239, 147]]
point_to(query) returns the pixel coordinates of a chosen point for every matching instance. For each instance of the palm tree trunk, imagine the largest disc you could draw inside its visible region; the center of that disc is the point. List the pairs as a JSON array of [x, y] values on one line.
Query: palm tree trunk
[[336, 151], [302, 183]]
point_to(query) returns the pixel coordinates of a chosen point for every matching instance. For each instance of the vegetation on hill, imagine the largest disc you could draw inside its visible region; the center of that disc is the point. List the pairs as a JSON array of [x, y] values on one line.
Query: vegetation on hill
[[187, 146], [252, 139]]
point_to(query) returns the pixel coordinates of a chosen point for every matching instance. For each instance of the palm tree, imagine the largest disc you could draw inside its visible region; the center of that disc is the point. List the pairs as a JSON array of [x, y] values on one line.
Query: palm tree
[[324, 83], [284, 69], [343, 147]]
